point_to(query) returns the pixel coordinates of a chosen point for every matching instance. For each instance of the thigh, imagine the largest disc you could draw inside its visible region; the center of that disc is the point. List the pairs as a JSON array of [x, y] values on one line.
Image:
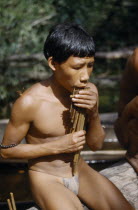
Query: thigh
[[98, 192], [50, 194]]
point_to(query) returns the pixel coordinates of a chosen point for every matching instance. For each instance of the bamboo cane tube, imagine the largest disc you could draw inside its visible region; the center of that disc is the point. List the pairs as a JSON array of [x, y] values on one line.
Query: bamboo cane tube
[[78, 120], [13, 201], [77, 154], [9, 204]]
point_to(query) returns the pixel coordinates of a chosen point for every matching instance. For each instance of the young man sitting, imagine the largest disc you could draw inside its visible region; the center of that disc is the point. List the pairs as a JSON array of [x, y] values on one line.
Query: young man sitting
[[41, 115]]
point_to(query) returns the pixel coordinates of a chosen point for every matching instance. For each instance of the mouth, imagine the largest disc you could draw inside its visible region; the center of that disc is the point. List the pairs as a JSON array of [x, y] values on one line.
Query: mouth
[[80, 86]]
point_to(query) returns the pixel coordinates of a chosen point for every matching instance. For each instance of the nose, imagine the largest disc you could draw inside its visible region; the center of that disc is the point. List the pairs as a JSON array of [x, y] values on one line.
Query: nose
[[84, 75]]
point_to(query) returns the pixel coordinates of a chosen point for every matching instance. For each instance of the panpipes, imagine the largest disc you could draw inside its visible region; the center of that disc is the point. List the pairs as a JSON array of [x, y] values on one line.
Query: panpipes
[[78, 122]]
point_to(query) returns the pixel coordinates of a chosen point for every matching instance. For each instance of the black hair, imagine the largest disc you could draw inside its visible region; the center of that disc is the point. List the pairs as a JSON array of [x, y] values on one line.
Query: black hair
[[68, 39]]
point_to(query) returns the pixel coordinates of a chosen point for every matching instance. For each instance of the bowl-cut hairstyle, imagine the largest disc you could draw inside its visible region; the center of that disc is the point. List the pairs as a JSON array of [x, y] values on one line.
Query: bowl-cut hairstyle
[[68, 39]]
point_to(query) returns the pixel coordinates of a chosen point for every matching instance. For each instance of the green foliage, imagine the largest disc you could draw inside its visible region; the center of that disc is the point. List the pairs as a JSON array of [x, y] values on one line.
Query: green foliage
[[112, 22], [120, 28], [86, 12], [25, 24]]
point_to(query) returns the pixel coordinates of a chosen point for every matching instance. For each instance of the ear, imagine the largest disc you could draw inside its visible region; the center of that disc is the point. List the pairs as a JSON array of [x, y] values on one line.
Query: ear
[[51, 63]]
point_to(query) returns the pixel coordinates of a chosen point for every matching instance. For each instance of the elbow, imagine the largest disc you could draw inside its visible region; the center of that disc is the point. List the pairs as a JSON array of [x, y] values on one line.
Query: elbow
[[5, 154], [97, 144], [95, 147]]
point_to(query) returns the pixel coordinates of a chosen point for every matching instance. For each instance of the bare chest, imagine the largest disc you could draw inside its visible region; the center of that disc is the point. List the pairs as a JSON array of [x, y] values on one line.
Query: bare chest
[[50, 120]]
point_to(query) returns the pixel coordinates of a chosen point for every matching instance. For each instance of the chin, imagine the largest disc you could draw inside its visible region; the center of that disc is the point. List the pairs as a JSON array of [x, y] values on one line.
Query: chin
[[70, 89]]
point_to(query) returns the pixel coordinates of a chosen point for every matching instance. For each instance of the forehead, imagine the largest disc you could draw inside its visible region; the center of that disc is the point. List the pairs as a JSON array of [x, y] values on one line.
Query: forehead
[[79, 60]]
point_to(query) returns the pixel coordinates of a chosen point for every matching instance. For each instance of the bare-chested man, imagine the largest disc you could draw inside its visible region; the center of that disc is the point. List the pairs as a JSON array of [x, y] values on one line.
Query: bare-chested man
[[126, 126], [41, 115]]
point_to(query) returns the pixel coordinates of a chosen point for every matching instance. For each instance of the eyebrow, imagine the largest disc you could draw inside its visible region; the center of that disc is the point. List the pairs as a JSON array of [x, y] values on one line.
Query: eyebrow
[[78, 64]]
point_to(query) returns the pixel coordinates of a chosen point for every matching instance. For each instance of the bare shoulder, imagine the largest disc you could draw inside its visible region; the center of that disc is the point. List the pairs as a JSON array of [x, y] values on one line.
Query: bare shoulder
[[93, 87], [25, 105], [27, 98]]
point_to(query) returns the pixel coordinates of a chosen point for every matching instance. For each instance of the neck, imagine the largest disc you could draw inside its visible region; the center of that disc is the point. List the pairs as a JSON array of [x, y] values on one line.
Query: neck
[[60, 92], [58, 89]]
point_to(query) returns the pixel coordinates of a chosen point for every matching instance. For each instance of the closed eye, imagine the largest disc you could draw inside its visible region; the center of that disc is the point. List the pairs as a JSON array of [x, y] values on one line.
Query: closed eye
[[90, 65], [77, 67]]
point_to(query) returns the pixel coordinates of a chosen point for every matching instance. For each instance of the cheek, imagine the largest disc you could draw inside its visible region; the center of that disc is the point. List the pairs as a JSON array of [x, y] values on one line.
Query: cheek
[[90, 72], [74, 77], [71, 74]]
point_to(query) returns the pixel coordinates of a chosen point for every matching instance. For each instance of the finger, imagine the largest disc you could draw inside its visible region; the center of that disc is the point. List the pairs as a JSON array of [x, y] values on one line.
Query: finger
[[81, 140], [80, 133], [78, 140], [84, 101], [81, 143], [87, 92], [81, 147], [83, 96], [90, 103], [85, 106], [77, 148]]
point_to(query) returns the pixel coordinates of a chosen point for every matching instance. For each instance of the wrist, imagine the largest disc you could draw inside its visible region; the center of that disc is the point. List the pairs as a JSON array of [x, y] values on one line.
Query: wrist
[[51, 148], [94, 112]]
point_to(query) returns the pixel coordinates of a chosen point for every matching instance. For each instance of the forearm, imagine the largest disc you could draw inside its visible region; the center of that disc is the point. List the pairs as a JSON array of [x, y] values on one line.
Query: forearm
[[29, 151], [68, 143], [130, 110], [95, 133]]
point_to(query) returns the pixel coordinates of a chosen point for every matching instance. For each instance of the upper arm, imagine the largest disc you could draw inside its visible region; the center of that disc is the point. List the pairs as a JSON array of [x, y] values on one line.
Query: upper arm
[[19, 122]]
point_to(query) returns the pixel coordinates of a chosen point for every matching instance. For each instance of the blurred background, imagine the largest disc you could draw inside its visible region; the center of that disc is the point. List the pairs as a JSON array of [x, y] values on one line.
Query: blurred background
[[24, 27]]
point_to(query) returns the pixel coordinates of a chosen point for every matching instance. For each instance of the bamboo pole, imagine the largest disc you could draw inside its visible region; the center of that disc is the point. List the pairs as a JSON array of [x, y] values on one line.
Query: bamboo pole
[[80, 126], [78, 120]]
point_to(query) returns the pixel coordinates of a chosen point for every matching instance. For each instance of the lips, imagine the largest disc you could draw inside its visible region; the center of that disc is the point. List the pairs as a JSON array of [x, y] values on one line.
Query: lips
[[81, 87]]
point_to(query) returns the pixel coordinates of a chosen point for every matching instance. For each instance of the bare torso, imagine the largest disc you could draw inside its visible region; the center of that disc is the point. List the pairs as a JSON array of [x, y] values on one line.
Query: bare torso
[[41, 115], [51, 120]]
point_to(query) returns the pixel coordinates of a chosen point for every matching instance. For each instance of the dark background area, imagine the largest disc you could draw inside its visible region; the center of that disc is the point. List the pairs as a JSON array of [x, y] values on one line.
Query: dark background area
[[25, 24]]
